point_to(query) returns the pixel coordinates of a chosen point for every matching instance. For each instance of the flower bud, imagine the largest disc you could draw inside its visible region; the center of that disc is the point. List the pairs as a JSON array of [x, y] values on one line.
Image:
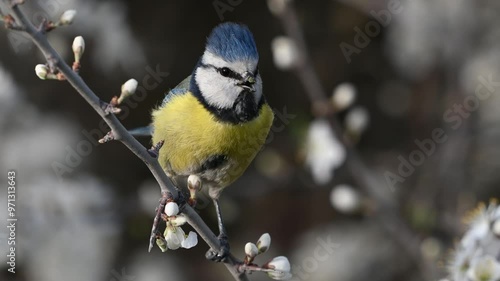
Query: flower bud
[[324, 151], [277, 7], [194, 182], [128, 89], [171, 209], [161, 244], [357, 120], [345, 199], [264, 243], [67, 17], [251, 250], [281, 268], [285, 53], [343, 96], [41, 71], [78, 47]]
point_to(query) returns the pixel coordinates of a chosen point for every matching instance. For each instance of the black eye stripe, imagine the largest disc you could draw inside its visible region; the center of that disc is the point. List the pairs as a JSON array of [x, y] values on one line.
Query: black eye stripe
[[224, 71], [227, 72], [230, 74]]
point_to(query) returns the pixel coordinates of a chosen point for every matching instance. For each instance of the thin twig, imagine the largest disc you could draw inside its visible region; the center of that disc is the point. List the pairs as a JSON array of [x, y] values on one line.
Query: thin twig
[[387, 212], [156, 221], [253, 267], [121, 134]]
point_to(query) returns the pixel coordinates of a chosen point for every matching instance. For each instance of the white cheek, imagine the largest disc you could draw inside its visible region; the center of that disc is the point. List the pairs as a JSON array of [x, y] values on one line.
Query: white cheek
[[218, 91]]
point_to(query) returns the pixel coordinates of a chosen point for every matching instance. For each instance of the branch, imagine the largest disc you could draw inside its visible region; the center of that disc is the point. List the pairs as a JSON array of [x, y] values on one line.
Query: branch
[[387, 212], [119, 132]]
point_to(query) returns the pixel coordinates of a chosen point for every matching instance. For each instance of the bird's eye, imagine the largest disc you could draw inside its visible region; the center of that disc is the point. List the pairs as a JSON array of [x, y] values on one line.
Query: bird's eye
[[225, 71]]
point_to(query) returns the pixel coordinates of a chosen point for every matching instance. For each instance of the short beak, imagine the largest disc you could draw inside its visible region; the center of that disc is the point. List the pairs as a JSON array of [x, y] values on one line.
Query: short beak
[[248, 81]]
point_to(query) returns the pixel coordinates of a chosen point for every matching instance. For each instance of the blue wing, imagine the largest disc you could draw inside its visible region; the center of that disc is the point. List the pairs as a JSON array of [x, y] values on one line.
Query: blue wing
[[180, 89]]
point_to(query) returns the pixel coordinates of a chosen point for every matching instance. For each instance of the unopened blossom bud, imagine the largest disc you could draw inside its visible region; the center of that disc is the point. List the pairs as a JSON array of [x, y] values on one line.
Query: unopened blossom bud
[[264, 243], [78, 47], [357, 120], [343, 96], [281, 268], [285, 53], [67, 17], [251, 250], [161, 244], [128, 89], [41, 71], [171, 209]]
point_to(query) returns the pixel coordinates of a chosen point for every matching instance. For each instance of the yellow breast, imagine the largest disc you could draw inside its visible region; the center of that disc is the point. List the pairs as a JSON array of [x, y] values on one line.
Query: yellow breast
[[192, 134]]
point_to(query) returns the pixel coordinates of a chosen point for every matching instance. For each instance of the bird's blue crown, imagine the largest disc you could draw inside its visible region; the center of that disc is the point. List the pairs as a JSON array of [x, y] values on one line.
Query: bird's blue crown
[[232, 42]]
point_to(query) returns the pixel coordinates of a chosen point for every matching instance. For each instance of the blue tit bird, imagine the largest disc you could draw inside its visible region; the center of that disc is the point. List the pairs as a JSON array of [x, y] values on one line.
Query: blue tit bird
[[216, 120]]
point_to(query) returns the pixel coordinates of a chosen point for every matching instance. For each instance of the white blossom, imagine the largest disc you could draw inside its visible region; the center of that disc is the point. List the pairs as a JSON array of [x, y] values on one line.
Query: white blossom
[[345, 199], [486, 268], [174, 234], [495, 227], [478, 230], [357, 120], [178, 220], [344, 96], [174, 237], [324, 152], [460, 263], [474, 257], [277, 7], [190, 241], [285, 53]]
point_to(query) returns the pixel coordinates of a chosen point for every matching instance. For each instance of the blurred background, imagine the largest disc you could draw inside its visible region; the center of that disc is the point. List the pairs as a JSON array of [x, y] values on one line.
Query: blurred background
[[415, 87]]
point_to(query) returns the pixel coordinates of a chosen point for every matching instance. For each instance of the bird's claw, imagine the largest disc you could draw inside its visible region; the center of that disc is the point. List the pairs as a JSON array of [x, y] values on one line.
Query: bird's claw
[[221, 254]]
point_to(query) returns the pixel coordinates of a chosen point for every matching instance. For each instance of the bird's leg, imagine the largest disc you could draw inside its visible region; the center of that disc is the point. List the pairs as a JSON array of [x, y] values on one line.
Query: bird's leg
[[221, 254], [194, 185], [222, 229]]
